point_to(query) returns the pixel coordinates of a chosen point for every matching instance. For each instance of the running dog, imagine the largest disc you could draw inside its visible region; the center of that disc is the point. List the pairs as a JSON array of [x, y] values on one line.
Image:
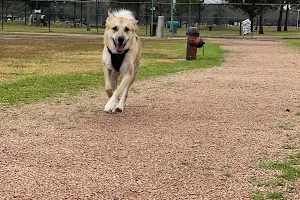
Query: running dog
[[121, 55]]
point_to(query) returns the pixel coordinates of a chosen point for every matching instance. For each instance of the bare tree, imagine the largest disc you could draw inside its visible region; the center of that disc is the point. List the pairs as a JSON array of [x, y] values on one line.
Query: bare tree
[[280, 18]]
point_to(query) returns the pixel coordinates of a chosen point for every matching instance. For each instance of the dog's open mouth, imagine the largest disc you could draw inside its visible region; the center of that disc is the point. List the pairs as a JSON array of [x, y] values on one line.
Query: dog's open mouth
[[119, 47]]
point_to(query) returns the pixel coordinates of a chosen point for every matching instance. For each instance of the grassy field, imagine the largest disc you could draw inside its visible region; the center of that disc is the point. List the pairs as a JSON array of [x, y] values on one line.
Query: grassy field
[[42, 67], [295, 44], [232, 31]]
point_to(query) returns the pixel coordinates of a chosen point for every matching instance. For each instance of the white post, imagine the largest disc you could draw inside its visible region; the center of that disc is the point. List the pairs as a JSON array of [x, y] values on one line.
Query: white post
[[160, 26]]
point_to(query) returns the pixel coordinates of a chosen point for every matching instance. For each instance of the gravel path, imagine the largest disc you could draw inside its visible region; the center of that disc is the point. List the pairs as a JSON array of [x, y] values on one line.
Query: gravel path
[[192, 135]]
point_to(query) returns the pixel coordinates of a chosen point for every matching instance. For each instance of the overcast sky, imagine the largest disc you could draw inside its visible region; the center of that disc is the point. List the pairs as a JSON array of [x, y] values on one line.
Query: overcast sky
[[213, 1]]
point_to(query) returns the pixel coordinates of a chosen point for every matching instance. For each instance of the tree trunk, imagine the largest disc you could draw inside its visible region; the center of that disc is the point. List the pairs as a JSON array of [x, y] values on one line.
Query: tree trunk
[[199, 13], [252, 23], [280, 18], [286, 18], [74, 12], [261, 22], [256, 25]]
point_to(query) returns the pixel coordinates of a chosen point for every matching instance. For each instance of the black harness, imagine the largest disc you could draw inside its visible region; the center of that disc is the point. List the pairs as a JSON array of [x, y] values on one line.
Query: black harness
[[117, 59]]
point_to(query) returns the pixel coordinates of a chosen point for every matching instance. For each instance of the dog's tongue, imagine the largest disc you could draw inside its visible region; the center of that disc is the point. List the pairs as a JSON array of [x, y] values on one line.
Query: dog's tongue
[[119, 48]]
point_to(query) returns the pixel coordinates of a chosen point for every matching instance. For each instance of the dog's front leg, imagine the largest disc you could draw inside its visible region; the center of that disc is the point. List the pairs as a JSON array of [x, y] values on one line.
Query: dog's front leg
[[107, 80], [112, 104], [120, 106]]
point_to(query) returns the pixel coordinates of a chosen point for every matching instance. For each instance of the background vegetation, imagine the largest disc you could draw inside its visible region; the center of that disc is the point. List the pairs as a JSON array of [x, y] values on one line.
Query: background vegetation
[[265, 13]]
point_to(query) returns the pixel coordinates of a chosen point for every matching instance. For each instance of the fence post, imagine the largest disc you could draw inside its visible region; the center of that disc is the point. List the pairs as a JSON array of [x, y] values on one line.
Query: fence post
[[2, 14], [36, 15], [49, 18], [146, 18], [25, 12], [88, 17], [81, 14], [152, 11], [240, 27], [97, 15]]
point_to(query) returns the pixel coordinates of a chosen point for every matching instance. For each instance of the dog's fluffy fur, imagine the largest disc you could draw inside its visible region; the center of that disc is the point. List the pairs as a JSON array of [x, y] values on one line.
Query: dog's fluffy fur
[[119, 37]]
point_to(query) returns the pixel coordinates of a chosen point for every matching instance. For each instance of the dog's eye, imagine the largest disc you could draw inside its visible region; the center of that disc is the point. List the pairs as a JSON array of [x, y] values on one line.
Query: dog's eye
[[115, 28], [126, 29]]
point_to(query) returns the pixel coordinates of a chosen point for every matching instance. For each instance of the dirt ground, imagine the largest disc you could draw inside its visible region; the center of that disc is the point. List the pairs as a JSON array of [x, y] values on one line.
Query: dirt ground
[[191, 135]]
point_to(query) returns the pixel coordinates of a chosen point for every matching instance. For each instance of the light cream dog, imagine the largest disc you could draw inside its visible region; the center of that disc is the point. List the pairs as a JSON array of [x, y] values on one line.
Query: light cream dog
[[121, 55]]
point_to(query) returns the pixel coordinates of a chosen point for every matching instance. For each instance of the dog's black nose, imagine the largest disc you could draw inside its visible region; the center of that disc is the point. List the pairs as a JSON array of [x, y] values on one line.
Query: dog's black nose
[[121, 39]]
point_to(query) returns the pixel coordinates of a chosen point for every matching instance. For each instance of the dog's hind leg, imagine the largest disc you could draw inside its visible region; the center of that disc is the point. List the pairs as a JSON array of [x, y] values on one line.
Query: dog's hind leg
[[114, 80]]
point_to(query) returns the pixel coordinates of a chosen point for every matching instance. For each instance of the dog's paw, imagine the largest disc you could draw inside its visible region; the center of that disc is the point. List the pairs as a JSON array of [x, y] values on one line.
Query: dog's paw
[[111, 105], [119, 108], [109, 92]]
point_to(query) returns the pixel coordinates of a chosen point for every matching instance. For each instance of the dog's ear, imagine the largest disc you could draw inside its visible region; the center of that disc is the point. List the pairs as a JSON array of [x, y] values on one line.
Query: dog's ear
[[135, 23], [110, 14]]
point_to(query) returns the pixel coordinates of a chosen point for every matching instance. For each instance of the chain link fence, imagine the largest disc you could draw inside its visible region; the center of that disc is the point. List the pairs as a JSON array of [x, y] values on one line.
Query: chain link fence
[[76, 13]]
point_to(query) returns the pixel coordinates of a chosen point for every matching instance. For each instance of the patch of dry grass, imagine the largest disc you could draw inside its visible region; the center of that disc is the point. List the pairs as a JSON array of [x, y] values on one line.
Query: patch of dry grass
[[51, 56]]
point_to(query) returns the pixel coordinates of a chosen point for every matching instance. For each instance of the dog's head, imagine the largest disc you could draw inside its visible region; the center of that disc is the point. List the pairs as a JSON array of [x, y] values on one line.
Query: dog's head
[[120, 30]]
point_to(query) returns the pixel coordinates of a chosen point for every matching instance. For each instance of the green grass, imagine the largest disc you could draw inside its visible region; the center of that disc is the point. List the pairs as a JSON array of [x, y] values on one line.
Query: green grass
[[70, 65], [273, 182], [286, 126], [258, 197], [163, 63], [33, 88], [289, 173], [276, 195], [13, 27], [288, 167], [294, 43]]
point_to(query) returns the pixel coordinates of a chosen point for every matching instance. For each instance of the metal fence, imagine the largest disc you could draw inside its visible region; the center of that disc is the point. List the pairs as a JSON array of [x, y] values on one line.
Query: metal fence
[[76, 12]]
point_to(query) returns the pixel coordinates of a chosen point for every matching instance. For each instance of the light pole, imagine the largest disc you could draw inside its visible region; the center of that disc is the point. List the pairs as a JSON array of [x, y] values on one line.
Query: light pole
[[152, 11]]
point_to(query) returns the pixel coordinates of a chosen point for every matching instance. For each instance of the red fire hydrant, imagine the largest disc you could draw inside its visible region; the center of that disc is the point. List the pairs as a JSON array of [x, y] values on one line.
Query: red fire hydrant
[[193, 42]]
